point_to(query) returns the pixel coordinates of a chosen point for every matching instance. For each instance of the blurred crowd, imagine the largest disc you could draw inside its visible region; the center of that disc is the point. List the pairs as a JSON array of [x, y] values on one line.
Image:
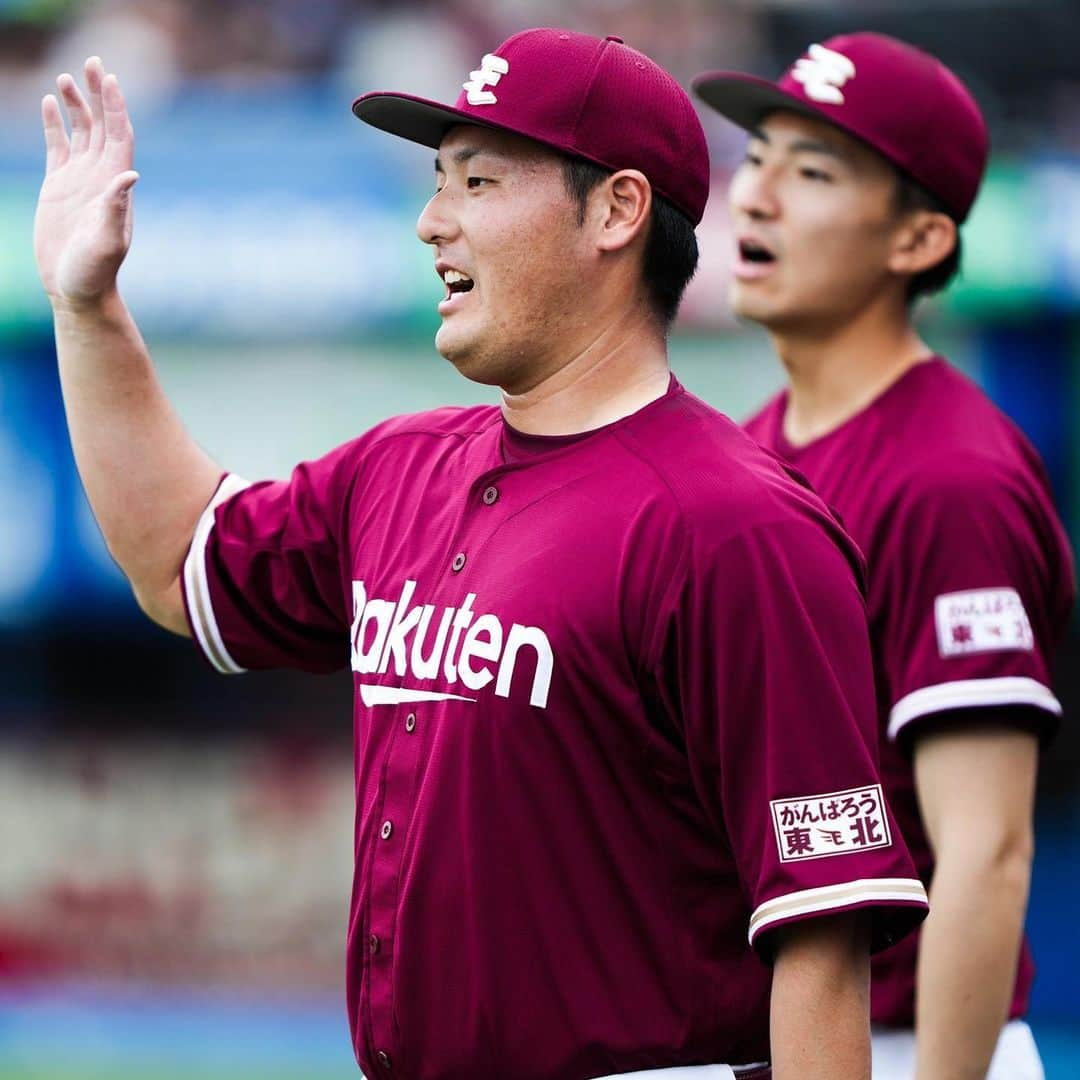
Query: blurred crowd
[[1021, 62]]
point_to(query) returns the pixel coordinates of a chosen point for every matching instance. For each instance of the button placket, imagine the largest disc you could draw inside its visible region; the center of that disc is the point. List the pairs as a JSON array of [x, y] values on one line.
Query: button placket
[[390, 831]]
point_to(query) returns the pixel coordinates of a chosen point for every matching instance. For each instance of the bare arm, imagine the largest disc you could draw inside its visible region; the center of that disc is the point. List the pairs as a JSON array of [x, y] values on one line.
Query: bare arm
[[976, 789], [820, 1019], [146, 478]]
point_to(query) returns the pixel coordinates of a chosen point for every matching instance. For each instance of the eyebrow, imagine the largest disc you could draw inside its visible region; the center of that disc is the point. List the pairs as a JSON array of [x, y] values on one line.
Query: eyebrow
[[459, 157], [805, 146]]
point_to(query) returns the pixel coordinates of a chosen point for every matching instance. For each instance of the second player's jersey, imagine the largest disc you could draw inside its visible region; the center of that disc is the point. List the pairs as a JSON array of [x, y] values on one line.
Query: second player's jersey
[[970, 580], [614, 725]]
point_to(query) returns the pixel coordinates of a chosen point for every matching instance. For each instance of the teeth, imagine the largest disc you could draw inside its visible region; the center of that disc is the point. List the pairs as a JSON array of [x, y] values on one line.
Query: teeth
[[455, 277]]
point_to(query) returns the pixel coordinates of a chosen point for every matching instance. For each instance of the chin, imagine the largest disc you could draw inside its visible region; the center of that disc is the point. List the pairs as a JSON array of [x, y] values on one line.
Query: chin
[[452, 345], [745, 305], [466, 356]]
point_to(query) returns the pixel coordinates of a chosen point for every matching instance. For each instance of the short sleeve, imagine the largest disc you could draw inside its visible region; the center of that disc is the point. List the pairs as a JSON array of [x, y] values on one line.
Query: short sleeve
[[263, 579], [975, 585], [770, 659]]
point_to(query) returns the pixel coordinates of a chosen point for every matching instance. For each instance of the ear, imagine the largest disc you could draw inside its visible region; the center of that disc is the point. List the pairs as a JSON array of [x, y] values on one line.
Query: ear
[[923, 240], [622, 209]]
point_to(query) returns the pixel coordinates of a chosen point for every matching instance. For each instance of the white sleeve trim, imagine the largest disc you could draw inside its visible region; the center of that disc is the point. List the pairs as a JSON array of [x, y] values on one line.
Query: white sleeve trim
[[197, 584], [971, 693], [796, 905]]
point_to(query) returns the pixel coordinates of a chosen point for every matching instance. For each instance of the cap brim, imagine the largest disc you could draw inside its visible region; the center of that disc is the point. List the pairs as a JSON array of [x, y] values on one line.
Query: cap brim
[[745, 99], [413, 118]]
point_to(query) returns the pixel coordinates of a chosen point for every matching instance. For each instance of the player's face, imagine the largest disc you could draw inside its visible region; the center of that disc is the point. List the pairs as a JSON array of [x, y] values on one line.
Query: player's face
[[814, 221], [508, 249]]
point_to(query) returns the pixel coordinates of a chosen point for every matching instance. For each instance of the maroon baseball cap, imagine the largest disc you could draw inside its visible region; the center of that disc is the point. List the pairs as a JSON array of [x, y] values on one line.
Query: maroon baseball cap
[[593, 98], [901, 101]]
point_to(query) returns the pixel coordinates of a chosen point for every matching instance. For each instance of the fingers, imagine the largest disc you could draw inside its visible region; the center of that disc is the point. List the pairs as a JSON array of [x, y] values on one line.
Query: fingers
[[78, 113], [119, 137], [57, 148], [95, 72], [98, 121]]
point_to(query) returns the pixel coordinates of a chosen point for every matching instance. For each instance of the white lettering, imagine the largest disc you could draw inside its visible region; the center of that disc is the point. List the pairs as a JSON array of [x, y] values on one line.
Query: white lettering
[[488, 649], [428, 667], [461, 620], [545, 661], [403, 623], [379, 612], [359, 601], [822, 73], [492, 69], [381, 631]]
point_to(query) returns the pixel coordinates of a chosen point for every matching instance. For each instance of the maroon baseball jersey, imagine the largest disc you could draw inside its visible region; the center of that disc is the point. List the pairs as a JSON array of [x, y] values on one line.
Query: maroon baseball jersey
[[970, 582], [614, 724]]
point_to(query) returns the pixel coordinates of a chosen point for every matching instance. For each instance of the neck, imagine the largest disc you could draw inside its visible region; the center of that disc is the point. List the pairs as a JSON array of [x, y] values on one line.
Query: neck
[[612, 374], [837, 372]]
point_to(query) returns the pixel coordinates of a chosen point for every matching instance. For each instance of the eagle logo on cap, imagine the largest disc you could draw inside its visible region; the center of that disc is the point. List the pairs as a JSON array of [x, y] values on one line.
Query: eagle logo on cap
[[492, 69], [821, 73]]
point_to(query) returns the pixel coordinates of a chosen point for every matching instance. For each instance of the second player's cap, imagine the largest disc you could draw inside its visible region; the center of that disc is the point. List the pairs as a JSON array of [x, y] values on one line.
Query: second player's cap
[[589, 97], [901, 101]]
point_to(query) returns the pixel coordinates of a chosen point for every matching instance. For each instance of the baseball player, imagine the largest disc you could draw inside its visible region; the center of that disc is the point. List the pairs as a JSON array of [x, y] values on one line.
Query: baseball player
[[863, 161], [618, 808]]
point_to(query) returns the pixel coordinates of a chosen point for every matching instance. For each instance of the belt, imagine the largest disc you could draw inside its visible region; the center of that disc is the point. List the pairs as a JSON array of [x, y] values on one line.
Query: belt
[[758, 1071]]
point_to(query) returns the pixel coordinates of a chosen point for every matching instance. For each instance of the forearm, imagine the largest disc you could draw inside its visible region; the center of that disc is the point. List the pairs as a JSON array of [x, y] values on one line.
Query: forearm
[[820, 1026], [967, 961], [146, 478]]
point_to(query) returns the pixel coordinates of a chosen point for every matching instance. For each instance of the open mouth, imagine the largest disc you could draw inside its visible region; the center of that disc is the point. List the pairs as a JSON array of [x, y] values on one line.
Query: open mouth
[[456, 282], [753, 252]]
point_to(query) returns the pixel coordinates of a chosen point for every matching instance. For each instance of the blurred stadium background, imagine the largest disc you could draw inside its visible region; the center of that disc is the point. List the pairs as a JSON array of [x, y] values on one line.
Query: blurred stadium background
[[175, 847]]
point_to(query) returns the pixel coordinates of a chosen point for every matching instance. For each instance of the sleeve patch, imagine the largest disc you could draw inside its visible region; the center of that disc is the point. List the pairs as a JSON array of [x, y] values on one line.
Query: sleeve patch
[[838, 823], [986, 620]]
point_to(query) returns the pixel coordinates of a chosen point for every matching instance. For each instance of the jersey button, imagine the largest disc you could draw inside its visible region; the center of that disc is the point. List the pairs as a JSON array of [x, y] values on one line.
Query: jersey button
[[410, 723], [386, 830], [373, 943], [459, 561], [383, 1059], [490, 496]]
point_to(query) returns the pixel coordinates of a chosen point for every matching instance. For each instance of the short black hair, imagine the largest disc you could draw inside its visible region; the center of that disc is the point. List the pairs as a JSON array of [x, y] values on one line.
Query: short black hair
[[911, 195], [671, 251]]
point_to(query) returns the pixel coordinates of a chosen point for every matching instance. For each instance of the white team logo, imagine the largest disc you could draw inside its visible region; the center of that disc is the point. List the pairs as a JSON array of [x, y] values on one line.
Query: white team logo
[[457, 647], [837, 823], [822, 73], [986, 620], [492, 69]]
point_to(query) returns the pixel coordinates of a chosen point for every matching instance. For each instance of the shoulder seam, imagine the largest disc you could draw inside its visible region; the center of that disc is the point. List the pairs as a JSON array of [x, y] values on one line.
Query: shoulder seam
[[439, 434]]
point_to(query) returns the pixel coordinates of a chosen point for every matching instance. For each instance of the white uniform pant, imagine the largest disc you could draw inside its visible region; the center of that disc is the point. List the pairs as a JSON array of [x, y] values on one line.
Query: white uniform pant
[[1016, 1056], [691, 1072]]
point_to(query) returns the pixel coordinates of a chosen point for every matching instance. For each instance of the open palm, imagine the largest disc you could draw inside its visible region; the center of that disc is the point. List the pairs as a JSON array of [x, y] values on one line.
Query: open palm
[[83, 224]]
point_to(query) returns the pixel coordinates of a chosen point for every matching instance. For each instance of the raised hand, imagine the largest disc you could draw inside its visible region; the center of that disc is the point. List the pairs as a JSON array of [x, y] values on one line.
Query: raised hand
[[82, 229]]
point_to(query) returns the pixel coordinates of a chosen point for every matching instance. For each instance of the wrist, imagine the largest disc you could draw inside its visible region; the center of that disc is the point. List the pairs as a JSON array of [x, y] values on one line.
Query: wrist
[[106, 306]]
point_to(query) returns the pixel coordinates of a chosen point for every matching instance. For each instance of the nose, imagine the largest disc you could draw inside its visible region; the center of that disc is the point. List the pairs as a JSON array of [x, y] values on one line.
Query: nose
[[753, 192], [437, 221]]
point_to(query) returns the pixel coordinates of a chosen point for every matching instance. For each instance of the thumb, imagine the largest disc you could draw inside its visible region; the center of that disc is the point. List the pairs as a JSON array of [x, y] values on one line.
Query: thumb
[[118, 193]]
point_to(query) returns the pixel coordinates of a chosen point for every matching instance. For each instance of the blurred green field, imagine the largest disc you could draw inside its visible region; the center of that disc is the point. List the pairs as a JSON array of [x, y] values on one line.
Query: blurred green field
[[95, 1035], [157, 1072]]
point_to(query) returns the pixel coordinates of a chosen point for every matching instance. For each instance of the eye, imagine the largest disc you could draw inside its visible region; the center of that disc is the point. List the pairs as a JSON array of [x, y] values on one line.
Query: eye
[[751, 158], [815, 174], [476, 181]]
